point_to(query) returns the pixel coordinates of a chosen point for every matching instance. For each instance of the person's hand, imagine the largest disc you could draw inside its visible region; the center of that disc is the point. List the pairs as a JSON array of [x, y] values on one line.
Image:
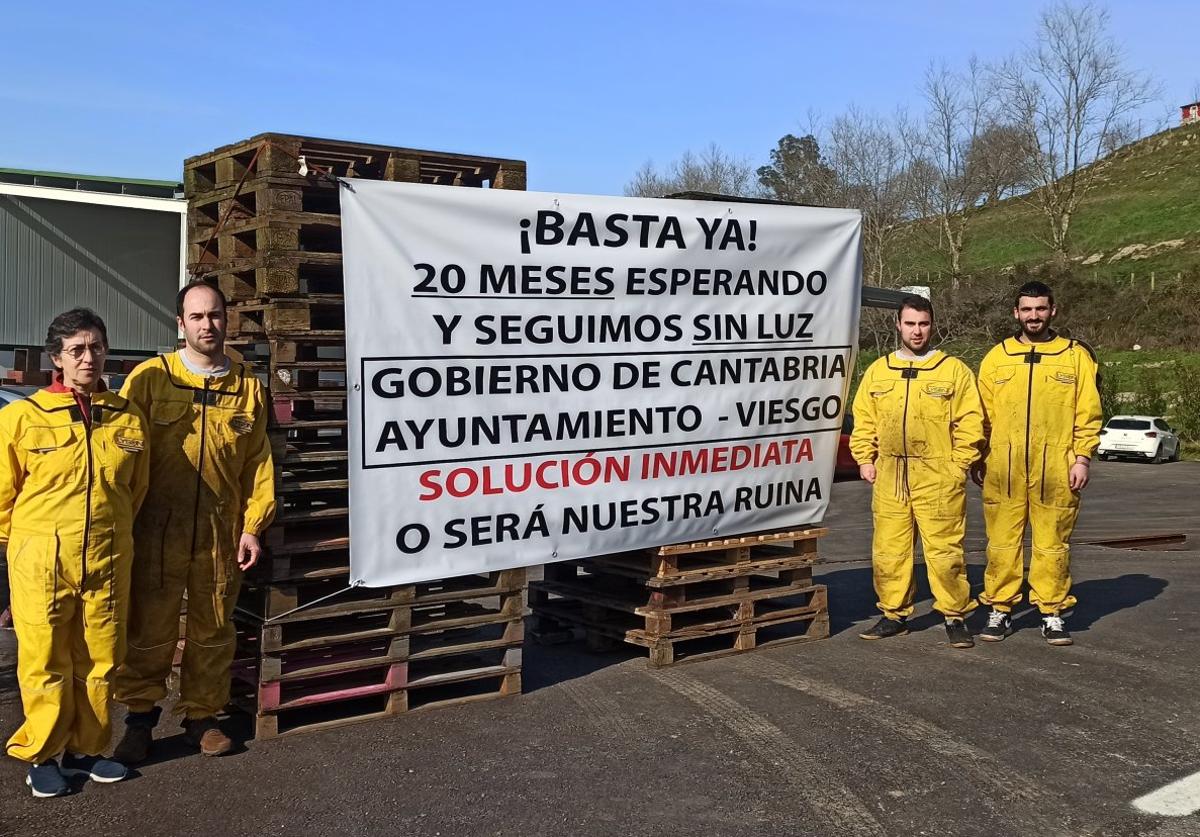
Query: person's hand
[[867, 472], [249, 551], [978, 472], [1081, 472]]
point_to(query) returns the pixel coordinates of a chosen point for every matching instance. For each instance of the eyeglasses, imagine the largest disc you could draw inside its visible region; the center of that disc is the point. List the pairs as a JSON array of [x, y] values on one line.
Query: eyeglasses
[[76, 352]]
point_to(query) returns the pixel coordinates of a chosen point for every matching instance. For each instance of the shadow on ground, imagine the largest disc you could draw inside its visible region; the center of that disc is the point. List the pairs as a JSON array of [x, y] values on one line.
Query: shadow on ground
[[1101, 597], [852, 598]]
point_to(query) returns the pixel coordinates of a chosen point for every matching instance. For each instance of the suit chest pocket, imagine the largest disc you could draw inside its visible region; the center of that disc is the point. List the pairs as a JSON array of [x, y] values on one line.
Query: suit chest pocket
[[122, 448], [51, 453], [933, 399]]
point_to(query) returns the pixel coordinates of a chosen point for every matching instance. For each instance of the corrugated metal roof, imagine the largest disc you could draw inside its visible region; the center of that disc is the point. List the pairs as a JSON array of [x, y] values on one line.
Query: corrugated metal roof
[[94, 183]]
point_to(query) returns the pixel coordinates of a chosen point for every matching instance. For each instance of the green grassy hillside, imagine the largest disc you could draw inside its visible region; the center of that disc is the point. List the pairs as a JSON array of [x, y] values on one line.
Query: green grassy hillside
[[1141, 216]]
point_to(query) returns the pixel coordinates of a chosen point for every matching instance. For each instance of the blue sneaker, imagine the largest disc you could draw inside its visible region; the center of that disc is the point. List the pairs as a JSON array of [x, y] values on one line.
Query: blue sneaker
[[45, 780], [96, 768]]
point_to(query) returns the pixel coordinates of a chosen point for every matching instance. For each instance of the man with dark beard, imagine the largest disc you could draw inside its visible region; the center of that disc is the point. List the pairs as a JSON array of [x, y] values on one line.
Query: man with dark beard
[[1042, 417]]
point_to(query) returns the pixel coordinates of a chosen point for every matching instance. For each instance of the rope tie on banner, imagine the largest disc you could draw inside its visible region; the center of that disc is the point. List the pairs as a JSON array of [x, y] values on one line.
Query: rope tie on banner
[[313, 603]]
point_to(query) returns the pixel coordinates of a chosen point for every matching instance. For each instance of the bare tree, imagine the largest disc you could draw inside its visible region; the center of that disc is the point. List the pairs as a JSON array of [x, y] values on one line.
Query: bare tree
[[867, 157], [1067, 93], [712, 170], [1122, 133], [945, 179], [1002, 161]]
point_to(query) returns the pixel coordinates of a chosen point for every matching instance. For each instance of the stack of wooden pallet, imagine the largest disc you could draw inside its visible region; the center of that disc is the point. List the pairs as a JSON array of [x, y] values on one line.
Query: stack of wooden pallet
[[27, 368], [264, 226], [689, 601]]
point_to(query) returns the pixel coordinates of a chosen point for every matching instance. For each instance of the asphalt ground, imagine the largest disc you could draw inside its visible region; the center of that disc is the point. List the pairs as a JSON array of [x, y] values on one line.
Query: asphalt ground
[[839, 737]]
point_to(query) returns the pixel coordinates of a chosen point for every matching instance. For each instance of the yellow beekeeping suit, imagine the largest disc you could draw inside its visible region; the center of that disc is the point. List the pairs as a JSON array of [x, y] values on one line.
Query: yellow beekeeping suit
[[211, 479], [1042, 410], [71, 483], [919, 422]]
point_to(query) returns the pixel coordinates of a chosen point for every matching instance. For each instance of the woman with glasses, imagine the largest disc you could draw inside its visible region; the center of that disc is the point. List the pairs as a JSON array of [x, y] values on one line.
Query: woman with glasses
[[73, 472]]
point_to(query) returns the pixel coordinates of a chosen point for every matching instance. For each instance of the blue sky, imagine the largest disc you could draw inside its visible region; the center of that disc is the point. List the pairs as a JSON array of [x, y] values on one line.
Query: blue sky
[[585, 92]]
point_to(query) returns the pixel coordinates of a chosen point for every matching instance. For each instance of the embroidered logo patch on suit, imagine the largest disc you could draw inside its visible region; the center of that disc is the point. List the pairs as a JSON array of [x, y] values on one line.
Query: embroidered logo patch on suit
[[129, 444], [241, 425]]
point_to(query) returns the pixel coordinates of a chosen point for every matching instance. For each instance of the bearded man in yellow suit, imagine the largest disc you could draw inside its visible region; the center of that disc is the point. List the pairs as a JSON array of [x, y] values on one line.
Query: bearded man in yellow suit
[[1042, 414]]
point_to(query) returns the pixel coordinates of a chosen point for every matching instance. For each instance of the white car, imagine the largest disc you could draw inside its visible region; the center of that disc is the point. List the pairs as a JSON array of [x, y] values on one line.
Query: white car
[[1148, 438]]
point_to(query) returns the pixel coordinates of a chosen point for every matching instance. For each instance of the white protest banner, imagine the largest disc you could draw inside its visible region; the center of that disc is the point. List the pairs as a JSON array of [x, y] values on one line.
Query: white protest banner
[[537, 377]]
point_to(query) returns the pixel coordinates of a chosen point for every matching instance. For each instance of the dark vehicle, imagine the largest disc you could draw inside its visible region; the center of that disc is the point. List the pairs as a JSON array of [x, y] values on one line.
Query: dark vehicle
[[846, 468]]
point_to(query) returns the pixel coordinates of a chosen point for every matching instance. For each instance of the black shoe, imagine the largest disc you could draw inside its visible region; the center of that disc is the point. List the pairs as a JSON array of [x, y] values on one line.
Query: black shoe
[[1055, 631], [999, 625], [885, 628], [135, 744], [138, 740], [958, 635]]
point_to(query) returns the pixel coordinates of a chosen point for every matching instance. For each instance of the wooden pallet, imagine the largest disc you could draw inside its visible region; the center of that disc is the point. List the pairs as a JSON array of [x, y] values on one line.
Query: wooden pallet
[[483, 685], [302, 508], [337, 674], [271, 600], [465, 613], [257, 665], [274, 566], [277, 154], [311, 661], [294, 677], [432, 605], [768, 579], [661, 571], [714, 613], [273, 273], [283, 316], [682, 563], [803, 618], [281, 234], [311, 505], [265, 195], [694, 600], [306, 537], [294, 476], [299, 634]]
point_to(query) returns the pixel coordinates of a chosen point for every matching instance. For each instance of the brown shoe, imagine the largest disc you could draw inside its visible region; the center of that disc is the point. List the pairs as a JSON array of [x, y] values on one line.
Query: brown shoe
[[206, 734]]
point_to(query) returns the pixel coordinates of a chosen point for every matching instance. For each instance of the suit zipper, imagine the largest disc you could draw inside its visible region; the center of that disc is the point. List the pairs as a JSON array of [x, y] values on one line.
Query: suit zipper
[[1008, 474], [1042, 489], [87, 512], [904, 429], [1028, 415], [200, 464]]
